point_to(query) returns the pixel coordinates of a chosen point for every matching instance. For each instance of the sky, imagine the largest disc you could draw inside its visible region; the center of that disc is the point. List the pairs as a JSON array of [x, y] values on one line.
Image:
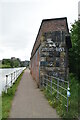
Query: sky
[[79, 10], [20, 21]]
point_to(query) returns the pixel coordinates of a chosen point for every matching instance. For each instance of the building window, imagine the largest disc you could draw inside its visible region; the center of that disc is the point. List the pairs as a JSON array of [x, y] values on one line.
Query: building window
[[57, 54]]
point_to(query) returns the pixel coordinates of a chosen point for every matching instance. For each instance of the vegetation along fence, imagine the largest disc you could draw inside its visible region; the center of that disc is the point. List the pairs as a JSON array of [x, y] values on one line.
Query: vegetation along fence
[[58, 86], [12, 77]]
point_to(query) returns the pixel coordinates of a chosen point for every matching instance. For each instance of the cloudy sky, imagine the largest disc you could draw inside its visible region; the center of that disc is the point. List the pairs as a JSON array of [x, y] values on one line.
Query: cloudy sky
[[20, 21]]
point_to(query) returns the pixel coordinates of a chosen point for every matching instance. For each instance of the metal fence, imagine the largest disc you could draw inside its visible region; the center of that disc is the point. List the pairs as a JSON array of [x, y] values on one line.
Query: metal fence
[[60, 86], [12, 77]]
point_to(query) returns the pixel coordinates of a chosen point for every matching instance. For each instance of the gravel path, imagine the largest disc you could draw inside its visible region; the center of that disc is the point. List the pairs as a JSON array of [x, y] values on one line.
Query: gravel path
[[29, 101]]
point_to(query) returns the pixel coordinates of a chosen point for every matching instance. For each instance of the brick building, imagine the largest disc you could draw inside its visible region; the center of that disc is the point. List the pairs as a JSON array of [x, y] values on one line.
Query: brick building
[[50, 51]]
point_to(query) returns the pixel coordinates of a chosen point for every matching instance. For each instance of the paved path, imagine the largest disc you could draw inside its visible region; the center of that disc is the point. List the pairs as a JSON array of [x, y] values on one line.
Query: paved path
[[30, 102]]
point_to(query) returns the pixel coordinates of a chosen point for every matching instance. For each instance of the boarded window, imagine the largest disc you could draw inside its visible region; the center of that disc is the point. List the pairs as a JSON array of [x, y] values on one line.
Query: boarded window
[[57, 64], [43, 63], [50, 54], [57, 54]]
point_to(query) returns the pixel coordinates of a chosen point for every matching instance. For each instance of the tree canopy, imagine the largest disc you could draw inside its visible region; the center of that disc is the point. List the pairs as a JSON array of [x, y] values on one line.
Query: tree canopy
[[74, 52]]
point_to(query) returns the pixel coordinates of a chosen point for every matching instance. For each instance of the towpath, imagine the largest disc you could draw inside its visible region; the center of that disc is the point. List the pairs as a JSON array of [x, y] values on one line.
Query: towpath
[[29, 101]]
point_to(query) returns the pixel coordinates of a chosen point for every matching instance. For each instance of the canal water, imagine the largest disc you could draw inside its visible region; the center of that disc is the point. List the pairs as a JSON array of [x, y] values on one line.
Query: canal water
[[3, 73]]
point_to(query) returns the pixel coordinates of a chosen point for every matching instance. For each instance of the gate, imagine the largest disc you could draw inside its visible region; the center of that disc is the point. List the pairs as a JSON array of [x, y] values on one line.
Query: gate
[[60, 86]]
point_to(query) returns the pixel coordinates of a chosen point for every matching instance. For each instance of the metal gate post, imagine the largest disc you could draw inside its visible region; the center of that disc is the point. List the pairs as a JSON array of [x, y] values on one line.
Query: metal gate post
[[67, 103], [57, 88], [51, 86], [68, 95]]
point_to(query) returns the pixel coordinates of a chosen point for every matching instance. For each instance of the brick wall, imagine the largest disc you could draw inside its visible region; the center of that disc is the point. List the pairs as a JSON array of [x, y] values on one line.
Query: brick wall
[[48, 27], [35, 66]]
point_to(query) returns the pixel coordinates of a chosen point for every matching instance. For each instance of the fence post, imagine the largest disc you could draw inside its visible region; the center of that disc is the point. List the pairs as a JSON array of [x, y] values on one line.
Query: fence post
[[14, 76], [6, 82], [46, 82], [11, 78], [51, 86], [68, 95], [67, 103], [57, 88]]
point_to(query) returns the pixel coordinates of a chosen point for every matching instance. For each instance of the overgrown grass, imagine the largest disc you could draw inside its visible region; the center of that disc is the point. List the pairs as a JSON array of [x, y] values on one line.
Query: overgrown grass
[[73, 110], [7, 98]]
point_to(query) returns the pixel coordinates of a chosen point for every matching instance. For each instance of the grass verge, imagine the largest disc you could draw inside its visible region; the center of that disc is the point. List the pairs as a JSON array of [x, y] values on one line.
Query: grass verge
[[73, 109], [7, 98], [0, 107], [5, 66]]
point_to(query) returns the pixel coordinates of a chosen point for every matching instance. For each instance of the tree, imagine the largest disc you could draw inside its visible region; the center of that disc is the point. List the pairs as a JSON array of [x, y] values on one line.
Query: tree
[[11, 63], [6, 61], [74, 52], [16, 63]]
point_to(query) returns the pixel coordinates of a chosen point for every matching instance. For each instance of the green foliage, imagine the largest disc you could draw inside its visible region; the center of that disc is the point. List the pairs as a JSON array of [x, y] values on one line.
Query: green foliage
[[10, 63], [5, 61], [7, 98], [74, 52], [60, 104], [13, 62]]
